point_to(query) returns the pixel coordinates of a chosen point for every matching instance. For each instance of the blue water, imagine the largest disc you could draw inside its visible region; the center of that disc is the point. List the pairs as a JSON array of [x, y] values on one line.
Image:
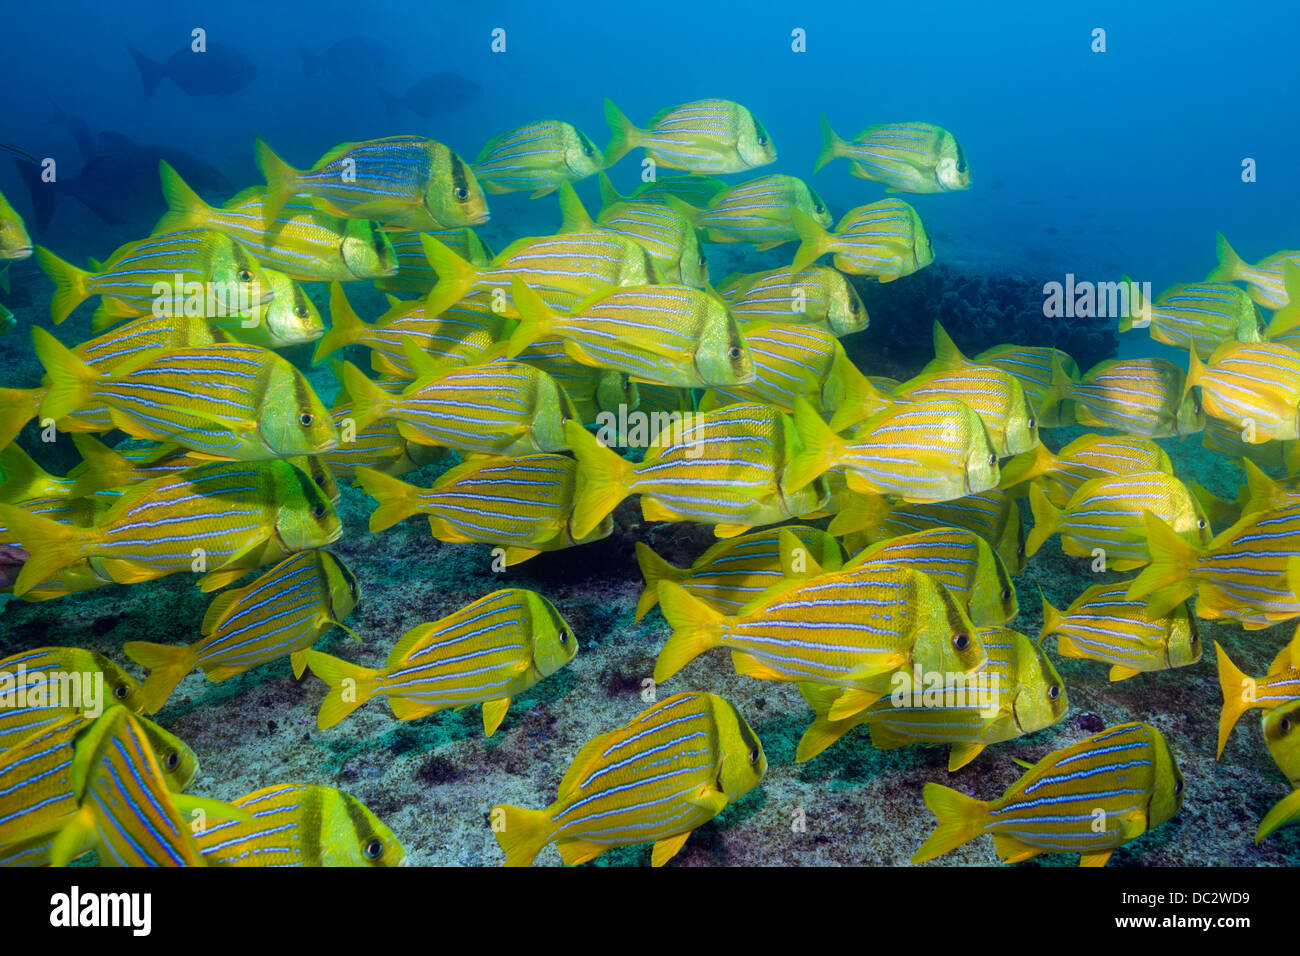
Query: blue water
[[1084, 162]]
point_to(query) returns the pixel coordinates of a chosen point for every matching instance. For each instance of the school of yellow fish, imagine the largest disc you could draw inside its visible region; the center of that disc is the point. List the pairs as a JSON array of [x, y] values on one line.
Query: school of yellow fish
[[739, 408]]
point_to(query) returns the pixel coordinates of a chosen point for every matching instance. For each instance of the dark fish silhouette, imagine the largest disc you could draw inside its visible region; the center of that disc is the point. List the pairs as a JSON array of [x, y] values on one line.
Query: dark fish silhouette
[[118, 181], [219, 71], [354, 60], [438, 93]]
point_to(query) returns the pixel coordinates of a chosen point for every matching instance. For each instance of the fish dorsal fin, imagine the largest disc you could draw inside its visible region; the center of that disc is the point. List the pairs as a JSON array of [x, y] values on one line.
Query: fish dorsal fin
[[410, 642], [219, 609]]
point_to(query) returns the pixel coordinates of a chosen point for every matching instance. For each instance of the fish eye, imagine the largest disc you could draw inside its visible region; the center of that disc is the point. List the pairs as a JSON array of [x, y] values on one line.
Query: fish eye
[[734, 352], [1053, 691], [960, 641], [305, 419], [318, 511], [1032, 424], [1194, 637], [993, 458], [818, 207], [1006, 594], [1178, 788], [1020, 551], [171, 760], [588, 149], [120, 691], [300, 311], [854, 307], [461, 193], [1200, 523], [702, 261], [373, 849], [762, 139], [243, 275], [753, 755]]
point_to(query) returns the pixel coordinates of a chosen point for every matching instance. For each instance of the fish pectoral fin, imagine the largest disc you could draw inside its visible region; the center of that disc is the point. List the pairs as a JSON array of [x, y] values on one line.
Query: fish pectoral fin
[[74, 839], [1022, 763], [667, 848], [1119, 672], [216, 580], [709, 799], [298, 661], [575, 852], [198, 807], [853, 700], [1011, 850], [246, 549], [517, 555], [1095, 859], [730, 530], [861, 485], [494, 711], [752, 667], [962, 754]]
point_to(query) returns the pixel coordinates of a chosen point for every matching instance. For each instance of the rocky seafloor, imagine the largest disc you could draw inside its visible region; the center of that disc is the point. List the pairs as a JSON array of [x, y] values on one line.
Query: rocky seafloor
[[434, 780]]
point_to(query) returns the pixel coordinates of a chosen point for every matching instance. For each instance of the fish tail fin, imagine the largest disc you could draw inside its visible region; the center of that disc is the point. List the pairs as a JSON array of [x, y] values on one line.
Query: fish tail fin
[[653, 569], [50, 546], [1047, 519], [1195, 371], [71, 285], [608, 194], [696, 628], [69, 376], [397, 500], [185, 208], [684, 209], [1287, 318], [522, 833], [573, 214], [860, 399], [369, 401], [820, 447], [1238, 695], [346, 327], [535, 316], [1230, 264], [282, 180], [105, 467], [151, 73], [456, 276], [813, 240], [602, 479], [168, 665], [832, 145], [1051, 617], [351, 685], [623, 136], [1172, 557], [961, 819], [1026, 466], [21, 475]]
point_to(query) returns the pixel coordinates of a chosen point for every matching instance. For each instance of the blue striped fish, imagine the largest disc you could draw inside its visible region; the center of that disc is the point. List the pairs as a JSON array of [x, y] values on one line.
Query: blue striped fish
[[1104, 624], [1252, 385], [885, 239], [670, 769], [1143, 397], [283, 612], [727, 468], [1265, 280], [224, 518], [523, 504], [734, 571], [378, 446], [757, 212], [485, 653], [301, 825], [817, 295], [1284, 744], [1088, 798], [41, 686], [906, 157], [408, 182], [593, 391], [414, 274], [1109, 513], [1090, 456], [1199, 316], [853, 629], [703, 136], [696, 190], [665, 334], [501, 408], [228, 401], [1016, 692], [127, 280], [1280, 687], [538, 156], [302, 241]]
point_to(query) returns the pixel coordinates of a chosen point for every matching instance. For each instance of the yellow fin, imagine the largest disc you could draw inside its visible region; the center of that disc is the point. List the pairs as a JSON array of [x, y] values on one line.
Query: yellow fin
[[667, 848], [494, 711]]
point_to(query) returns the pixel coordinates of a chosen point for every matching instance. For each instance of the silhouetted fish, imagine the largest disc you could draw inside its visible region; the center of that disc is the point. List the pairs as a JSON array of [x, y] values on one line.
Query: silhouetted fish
[[218, 71], [437, 93], [119, 181]]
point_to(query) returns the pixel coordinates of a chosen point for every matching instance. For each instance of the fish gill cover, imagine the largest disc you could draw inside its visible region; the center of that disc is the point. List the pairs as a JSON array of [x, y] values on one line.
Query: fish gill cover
[[771, 436]]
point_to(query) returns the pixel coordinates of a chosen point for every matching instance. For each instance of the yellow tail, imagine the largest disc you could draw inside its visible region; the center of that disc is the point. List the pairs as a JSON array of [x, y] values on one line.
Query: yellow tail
[[573, 214], [623, 136], [1284, 811], [282, 181], [17, 407], [70, 377], [50, 546], [521, 833], [961, 819], [168, 665], [1051, 618], [1287, 318], [813, 240], [602, 480], [1026, 466], [185, 208], [696, 629], [104, 467], [1047, 520], [351, 685], [1239, 695], [653, 569], [456, 277], [832, 145], [1230, 264], [346, 327], [820, 448], [397, 500], [535, 317], [25, 480], [1166, 579], [369, 402], [71, 285]]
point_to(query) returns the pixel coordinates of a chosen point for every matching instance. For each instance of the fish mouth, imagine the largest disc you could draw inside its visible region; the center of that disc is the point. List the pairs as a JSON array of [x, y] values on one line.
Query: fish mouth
[[19, 252], [479, 218]]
